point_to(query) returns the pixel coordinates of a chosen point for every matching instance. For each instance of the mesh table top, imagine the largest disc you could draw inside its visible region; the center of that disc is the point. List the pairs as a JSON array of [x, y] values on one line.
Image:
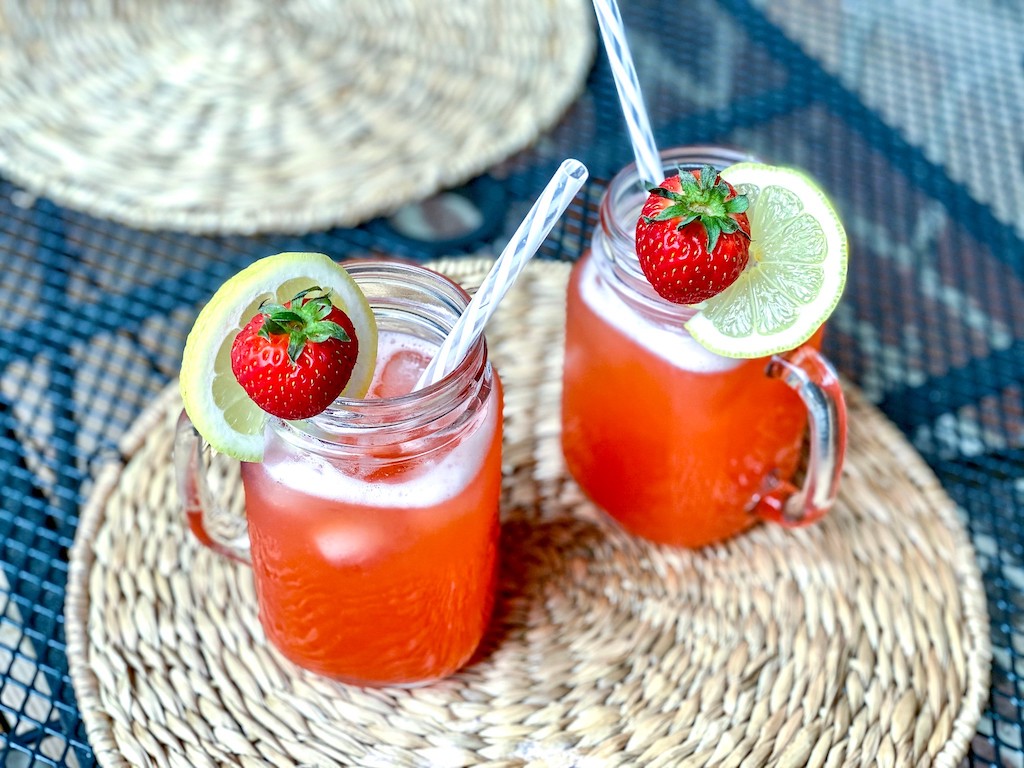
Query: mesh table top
[[903, 115]]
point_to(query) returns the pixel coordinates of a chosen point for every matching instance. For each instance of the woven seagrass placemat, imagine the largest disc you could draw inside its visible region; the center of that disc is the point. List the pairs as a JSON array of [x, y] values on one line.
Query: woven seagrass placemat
[[860, 641], [260, 115]]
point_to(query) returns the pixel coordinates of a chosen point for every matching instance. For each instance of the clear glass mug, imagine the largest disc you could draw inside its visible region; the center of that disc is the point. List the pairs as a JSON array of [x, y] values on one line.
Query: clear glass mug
[[677, 444], [372, 528]]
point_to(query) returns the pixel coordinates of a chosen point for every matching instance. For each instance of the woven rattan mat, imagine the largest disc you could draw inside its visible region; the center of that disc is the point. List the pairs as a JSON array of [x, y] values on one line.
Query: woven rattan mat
[[262, 115], [861, 640]]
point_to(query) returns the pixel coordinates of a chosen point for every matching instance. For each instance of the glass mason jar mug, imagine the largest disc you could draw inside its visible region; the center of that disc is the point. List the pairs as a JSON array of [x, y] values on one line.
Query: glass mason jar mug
[[372, 528], [679, 445]]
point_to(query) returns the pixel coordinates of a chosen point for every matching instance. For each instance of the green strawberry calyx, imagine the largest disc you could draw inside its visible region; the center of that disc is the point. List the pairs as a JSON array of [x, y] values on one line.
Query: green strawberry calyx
[[704, 199], [303, 319]]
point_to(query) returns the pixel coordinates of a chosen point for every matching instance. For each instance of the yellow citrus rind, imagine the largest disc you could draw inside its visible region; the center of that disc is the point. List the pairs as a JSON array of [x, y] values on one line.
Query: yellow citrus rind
[[221, 411]]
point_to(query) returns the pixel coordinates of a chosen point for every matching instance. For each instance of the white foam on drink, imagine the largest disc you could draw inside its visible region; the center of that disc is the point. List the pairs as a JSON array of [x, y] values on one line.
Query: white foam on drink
[[431, 482], [678, 349]]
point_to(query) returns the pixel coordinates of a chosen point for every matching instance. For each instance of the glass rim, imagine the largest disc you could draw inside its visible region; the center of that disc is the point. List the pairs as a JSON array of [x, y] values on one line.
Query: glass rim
[[347, 417]]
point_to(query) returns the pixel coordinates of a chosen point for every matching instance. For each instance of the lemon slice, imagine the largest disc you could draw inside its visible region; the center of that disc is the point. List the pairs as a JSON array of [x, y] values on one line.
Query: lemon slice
[[796, 273], [215, 402]]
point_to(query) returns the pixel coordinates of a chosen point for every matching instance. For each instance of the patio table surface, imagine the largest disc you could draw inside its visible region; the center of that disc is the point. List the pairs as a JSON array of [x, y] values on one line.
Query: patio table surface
[[908, 114]]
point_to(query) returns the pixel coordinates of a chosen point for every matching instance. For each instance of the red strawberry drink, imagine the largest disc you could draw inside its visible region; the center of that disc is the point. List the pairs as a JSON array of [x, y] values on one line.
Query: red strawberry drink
[[373, 526], [385, 510], [678, 444]]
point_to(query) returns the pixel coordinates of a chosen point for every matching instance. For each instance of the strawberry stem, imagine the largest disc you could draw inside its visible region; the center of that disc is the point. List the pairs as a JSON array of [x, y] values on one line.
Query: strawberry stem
[[705, 199], [303, 320]]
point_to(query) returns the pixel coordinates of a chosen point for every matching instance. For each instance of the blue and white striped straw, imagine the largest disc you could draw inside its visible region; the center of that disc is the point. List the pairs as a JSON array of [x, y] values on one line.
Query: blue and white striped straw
[[626, 83], [524, 244]]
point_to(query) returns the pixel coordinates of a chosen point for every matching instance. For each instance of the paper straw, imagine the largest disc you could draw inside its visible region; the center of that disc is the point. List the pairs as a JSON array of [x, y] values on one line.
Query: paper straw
[[645, 150], [524, 244]]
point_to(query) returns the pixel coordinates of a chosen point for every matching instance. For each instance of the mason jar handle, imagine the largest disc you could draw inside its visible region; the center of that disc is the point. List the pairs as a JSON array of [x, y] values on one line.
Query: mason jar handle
[[215, 526], [814, 379]]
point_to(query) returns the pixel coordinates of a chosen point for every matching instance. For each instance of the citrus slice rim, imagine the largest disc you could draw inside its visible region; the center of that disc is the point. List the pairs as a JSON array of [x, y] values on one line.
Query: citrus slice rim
[[812, 314], [206, 381]]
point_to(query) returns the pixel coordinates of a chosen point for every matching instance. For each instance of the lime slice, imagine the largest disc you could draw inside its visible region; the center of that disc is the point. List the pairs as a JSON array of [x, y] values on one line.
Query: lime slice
[[215, 402], [796, 273]]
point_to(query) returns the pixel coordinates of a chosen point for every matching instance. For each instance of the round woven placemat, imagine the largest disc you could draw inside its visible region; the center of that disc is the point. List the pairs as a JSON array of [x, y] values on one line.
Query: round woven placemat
[[263, 115], [860, 641]]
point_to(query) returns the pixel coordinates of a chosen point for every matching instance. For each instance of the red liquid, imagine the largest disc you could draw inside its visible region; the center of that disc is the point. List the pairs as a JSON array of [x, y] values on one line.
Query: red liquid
[[374, 593], [676, 456]]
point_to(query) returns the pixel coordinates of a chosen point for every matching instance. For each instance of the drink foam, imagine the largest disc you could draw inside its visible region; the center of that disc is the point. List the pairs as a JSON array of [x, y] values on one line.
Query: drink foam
[[676, 347], [431, 481]]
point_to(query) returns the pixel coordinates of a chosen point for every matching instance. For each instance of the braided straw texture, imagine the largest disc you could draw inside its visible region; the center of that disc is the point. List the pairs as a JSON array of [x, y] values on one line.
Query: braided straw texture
[[862, 640], [241, 116]]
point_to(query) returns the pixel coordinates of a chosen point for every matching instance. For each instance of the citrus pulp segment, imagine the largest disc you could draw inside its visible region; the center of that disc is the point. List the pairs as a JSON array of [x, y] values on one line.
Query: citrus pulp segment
[[796, 272], [219, 408]]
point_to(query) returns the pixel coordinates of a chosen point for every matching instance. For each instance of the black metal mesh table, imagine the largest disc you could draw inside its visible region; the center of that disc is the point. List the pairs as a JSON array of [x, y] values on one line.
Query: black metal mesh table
[[909, 116]]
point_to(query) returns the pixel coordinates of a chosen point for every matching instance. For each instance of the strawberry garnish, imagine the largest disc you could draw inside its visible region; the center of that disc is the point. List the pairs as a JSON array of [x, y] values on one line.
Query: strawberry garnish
[[693, 237], [294, 359]]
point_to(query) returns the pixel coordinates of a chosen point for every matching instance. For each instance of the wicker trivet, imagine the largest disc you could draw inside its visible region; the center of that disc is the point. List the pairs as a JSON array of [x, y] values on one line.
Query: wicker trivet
[[263, 115], [861, 640]]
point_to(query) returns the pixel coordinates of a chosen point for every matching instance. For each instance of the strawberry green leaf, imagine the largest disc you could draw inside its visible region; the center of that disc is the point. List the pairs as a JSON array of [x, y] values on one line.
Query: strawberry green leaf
[[668, 194], [714, 229], [296, 344], [729, 225], [738, 204], [708, 177], [323, 330], [704, 197], [302, 320]]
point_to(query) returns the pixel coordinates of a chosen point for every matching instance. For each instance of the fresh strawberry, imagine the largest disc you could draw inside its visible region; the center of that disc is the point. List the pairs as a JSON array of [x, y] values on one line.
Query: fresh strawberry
[[693, 237], [294, 359]]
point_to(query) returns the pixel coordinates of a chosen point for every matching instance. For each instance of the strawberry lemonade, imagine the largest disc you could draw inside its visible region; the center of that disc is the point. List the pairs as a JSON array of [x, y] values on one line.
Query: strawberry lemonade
[[377, 561], [373, 526], [645, 466], [688, 440]]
